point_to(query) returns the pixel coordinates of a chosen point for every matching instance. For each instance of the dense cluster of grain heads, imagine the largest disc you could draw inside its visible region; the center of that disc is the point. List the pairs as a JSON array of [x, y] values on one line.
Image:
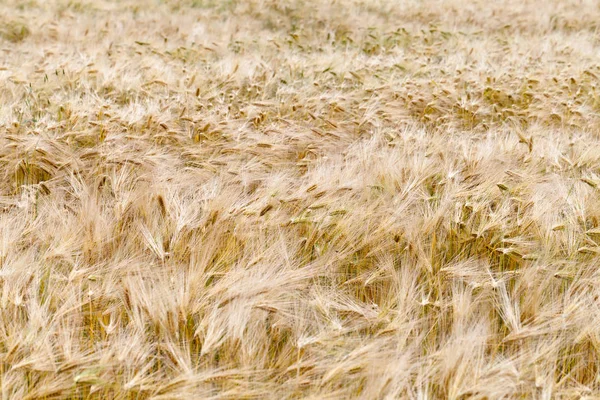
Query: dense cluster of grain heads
[[317, 199]]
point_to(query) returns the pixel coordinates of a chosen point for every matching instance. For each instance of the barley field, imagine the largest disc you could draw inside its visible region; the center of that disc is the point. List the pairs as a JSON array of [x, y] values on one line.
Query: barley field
[[312, 199]]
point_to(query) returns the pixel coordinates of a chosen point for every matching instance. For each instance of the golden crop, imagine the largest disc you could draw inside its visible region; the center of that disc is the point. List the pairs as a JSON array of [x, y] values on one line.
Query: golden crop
[[324, 199]]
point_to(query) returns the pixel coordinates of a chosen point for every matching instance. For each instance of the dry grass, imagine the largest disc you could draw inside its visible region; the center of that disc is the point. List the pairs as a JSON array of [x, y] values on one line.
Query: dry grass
[[299, 199]]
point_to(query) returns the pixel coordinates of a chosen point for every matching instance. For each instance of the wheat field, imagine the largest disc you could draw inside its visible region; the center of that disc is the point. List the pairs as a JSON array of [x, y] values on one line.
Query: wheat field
[[312, 199]]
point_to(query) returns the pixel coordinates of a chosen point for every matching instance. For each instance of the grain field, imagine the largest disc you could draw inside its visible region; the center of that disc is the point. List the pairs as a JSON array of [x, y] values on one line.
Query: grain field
[[311, 199]]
